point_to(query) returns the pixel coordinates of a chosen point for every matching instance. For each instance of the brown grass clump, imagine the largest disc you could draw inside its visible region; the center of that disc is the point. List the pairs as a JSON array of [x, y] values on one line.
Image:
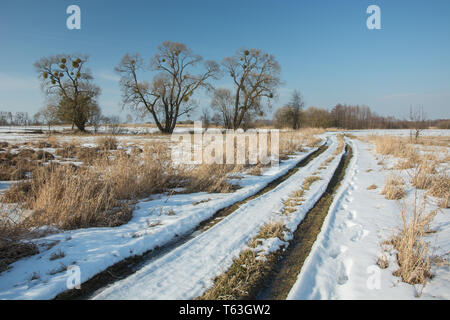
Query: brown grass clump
[[11, 248], [413, 253], [108, 143], [422, 180], [17, 193], [269, 230], [4, 144], [11, 251], [404, 164], [237, 282], [397, 147], [247, 271], [70, 199], [255, 171], [209, 178], [15, 166], [372, 187], [66, 150], [440, 188], [89, 155], [394, 190], [77, 197], [294, 141], [309, 181], [382, 260]]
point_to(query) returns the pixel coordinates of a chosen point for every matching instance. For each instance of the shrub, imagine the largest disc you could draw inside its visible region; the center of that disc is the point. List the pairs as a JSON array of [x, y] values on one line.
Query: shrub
[[394, 190]]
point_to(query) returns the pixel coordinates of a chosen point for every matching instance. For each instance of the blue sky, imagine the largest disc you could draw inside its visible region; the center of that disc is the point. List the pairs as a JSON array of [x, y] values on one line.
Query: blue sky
[[324, 47]]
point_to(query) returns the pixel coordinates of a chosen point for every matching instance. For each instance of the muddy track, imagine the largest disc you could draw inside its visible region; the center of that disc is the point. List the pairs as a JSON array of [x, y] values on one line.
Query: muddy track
[[283, 273], [130, 265]]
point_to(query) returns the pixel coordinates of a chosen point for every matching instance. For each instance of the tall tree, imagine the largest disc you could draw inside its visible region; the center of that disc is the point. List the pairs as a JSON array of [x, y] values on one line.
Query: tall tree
[[256, 76], [222, 102], [417, 120], [169, 94], [66, 78], [297, 104], [48, 115]]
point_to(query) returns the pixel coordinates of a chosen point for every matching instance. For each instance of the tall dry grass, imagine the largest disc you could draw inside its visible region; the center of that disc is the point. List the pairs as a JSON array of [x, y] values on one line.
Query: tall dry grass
[[96, 193], [394, 188], [440, 188], [413, 252], [75, 197], [247, 271]]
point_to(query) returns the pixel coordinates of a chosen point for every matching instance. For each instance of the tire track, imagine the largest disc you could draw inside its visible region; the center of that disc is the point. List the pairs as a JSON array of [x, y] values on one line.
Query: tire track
[[185, 271], [130, 265], [278, 282]]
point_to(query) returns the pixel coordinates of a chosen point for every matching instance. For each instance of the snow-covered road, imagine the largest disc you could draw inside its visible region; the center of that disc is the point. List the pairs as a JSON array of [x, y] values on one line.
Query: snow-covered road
[[342, 262], [155, 223], [188, 271]]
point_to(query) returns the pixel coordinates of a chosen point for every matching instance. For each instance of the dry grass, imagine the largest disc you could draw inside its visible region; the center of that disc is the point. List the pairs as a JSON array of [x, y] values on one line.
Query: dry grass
[[393, 189], [440, 188], [294, 141], [389, 145], [100, 192], [13, 250], [107, 143], [382, 260], [75, 197], [15, 166], [309, 181], [11, 246], [339, 149], [238, 280], [69, 199], [209, 178], [372, 187], [255, 171], [269, 230], [247, 271], [413, 253]]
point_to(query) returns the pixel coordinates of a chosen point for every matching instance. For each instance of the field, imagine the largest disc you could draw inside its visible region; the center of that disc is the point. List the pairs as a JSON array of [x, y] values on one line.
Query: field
[[344, 215]]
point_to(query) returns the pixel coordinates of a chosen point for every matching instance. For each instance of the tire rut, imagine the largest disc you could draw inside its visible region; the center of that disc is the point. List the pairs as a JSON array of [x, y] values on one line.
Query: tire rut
[[283, 274], [132, 264]]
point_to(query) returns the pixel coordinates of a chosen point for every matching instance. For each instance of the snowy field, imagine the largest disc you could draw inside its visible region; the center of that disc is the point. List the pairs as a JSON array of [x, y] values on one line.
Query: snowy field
[[341, 265]]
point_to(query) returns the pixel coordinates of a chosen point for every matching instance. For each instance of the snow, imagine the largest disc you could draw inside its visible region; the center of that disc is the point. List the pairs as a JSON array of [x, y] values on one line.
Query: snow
[[342, 262], [267, 246], [188, 271], [401, 132], [95, 249]]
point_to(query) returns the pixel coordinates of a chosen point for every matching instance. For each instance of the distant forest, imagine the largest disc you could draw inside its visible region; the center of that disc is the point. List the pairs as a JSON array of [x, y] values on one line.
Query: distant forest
[[341, 116]]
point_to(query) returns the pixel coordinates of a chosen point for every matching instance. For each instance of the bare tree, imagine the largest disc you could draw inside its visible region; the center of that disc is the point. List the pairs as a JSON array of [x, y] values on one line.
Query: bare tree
[[112, 123], [283, 117], [297, 104], [129, 119], [290, 114], [222, 103], [95, 119], [417, 120], [49, 115], [256, 76], [65, 77], [205, 118], [169, 94]]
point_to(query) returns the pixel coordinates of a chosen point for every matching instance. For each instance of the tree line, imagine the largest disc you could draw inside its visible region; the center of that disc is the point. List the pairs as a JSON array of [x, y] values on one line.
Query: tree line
[[349, 117], [167, 93], [178, 73]]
